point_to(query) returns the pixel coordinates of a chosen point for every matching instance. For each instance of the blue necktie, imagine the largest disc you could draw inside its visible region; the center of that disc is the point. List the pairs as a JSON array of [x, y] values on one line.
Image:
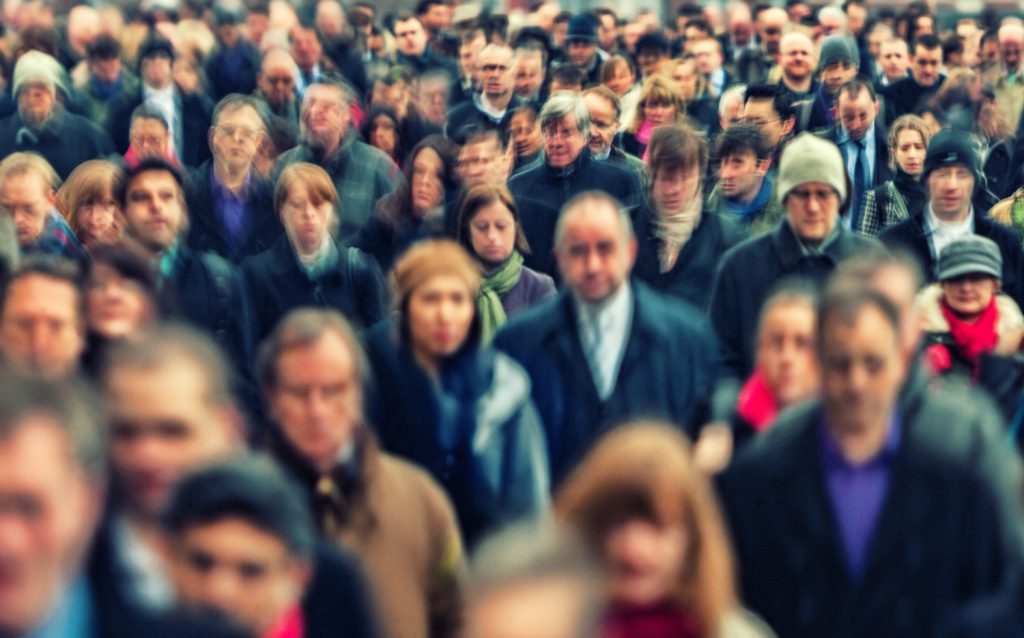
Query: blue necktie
[[860, 186]]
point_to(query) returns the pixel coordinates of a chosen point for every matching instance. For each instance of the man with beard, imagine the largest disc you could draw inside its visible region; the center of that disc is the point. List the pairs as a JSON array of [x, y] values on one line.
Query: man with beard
[[362, 174], [42, 125]]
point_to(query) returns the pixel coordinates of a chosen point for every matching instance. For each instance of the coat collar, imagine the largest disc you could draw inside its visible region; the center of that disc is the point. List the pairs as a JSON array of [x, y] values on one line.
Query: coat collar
[[787, 246]]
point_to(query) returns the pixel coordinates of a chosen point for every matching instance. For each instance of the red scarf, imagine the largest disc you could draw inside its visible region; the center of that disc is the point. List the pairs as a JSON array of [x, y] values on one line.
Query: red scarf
[[291, 625], [756, 405], [660, 621], [973, 339]]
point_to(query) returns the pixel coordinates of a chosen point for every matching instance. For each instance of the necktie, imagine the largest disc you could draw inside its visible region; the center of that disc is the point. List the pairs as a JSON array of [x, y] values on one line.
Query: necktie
[[860, 186], [330, 504], [596, 356]]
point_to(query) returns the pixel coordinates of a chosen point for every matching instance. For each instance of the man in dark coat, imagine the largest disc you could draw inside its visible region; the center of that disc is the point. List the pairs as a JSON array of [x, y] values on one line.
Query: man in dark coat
[[809, 242], [884, 506], [187, 113], [608, 349], [952, 175], [568, 170], [231, 207], [42, 125], [912, 92], [232, 68], [494, 103]]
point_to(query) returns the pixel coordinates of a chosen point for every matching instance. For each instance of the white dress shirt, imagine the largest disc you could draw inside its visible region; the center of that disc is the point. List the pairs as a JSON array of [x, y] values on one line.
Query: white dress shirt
[[942, 234], [604, 331]]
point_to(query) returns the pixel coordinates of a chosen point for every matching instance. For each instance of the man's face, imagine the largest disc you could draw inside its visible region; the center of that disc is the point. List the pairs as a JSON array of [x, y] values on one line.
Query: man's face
[[483, 161], [991, 53], [1010, 52], [154, 210], [797, 58], [156, 71], [277, 82], [149, 138], [895, 60], [831, 25], [524, 130], [325, 116], [786, 353], [468, 53], [650, 61], [857, 114], [607, 31], [603, 123], [50, 510], [862, 370], [317, 400], [741, 30], [761, 114], [926, 65], [563, 142], [163, 424], [837, 74], [436, 18], [412, 37], [529, 73], [593, 255], [812, 210], [306, 48], [770, 28], [856, 17], [497, 72], [673, 189], [105, 70], [228, 35], [236, 136], [27, 199], [330, 18], [708, 56], [949, 190], [35, 103], [41, 328], [740, 175], [582, 52], [239, 570]]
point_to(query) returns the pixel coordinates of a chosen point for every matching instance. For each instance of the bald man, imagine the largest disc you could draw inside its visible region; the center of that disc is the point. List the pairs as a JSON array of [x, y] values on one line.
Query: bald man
[[754, 65], [275, 83], [797, 60], [493, 105]]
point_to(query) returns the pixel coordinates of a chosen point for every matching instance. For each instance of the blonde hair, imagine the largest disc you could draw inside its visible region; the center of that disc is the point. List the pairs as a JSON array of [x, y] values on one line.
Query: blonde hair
[[658, 87], [24, 162], [908, 122], [645, 470]]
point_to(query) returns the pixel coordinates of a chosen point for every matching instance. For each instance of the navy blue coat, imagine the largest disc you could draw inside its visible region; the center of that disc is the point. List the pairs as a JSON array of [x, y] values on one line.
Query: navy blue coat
[[73, 139], [206, 232], [668, 371]]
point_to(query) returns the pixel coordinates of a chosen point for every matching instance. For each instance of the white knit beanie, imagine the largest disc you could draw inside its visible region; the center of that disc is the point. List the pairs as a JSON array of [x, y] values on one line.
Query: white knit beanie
[[809, 158], [37, 66]]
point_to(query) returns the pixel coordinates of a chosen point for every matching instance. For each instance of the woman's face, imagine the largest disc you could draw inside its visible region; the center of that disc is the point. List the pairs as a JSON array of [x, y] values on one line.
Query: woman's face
[[673, 190], [492, 232], [427, 182], [440, 314], [383, 134], [622, 80], [970, 294], [645, 560], [98, 221], [305, 221], [659, 112], [685, 77], [116, 307], [910, 151]]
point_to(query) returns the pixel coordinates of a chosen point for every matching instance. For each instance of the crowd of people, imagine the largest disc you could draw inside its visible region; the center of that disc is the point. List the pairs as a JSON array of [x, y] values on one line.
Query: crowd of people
[[322, 320]]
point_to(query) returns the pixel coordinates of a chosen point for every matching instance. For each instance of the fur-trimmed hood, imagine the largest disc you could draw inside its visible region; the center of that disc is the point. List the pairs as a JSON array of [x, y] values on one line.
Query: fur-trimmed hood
[[1009, 325]]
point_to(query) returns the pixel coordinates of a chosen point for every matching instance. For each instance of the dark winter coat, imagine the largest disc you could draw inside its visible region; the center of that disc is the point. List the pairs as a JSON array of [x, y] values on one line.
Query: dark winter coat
[[194, 110], [66, 141]]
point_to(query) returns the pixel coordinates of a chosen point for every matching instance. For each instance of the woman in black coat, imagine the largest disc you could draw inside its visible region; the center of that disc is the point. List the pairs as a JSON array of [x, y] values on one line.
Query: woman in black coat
[[678, 243], [307, 266]]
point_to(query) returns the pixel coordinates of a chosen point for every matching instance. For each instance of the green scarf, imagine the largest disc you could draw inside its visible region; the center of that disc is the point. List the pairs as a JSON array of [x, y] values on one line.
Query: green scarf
[[493, 287]]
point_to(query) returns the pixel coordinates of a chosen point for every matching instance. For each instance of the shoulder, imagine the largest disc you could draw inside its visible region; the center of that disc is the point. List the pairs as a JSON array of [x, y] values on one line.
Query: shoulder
[[773, 452], [533, 325], [744, 253], [365, 152], [536, 282]]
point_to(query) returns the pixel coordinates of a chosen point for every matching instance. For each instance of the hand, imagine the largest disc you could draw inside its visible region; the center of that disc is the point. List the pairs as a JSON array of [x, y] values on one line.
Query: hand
[[713, 449]]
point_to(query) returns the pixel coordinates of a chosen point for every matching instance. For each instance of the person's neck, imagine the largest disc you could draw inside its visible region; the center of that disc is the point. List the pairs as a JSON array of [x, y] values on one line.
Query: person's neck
[[428, 362], [956, 217], [751, 195], [797, 85], [498, 102], [147, 529], [160, 89], [858, 445], [330, 149], [232, 178]]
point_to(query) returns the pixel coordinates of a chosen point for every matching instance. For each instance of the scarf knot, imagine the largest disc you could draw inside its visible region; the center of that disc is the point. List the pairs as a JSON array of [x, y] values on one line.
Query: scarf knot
[[492, 288]]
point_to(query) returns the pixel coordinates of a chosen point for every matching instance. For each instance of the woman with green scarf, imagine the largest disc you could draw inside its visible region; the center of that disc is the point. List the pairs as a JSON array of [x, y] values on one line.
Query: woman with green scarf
[[489, 230]]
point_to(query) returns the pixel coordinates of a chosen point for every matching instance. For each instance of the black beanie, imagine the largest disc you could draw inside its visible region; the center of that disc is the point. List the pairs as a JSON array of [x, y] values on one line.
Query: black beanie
[[950, 147]]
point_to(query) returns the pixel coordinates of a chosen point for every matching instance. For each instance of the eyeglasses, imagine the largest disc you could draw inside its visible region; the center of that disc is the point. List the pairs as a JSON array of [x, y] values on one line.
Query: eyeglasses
[[561, 134]]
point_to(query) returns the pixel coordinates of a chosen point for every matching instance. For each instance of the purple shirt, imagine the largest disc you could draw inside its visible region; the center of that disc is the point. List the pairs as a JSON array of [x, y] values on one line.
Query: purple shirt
[[230, 210], [857, 492]]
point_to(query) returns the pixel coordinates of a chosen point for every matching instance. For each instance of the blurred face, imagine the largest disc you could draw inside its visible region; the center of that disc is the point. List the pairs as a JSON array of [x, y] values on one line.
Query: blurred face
[[427, 183], [856, 16], [41, 330], [674, 189], [156, 71], [862, 372], [306, 220], [831, 25], [926, 65], [603, 123], [235, 568], [761, 114], [650, 61], [154, 210], [277, 81], [837, 74], [105, 70], [622, 80], [894, 58], [479, 162], [925, 26], [50, 512], [99, 221], [329, 18], [741, 29], [35, 103], [772, 25], [412, 37], [969, 295], [529, 76], [593, 255], [950, 189], [439, 315], [116, 307], [497, 72], [645, 560], [740, 175], [685, 77], [526, 135], [325, 116], [317, 401], [383, 135], [658, 111], [306, 48], [1010, 52], [857, 114], [436, 17], [786, 352], [432, 98], [150, 138], [606, 32], [563, 142], [235, 138], [27, 199], [468, 53], [812, 210], [797, 57], [492, 233], [708, 56], [163, 425], [581, 52], [910, 151]]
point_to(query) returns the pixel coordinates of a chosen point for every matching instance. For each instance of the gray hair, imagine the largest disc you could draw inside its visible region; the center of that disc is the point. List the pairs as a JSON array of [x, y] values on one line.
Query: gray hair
[[589, 199], [737, 92], [835, 12], [566, 104], [234, 101]]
